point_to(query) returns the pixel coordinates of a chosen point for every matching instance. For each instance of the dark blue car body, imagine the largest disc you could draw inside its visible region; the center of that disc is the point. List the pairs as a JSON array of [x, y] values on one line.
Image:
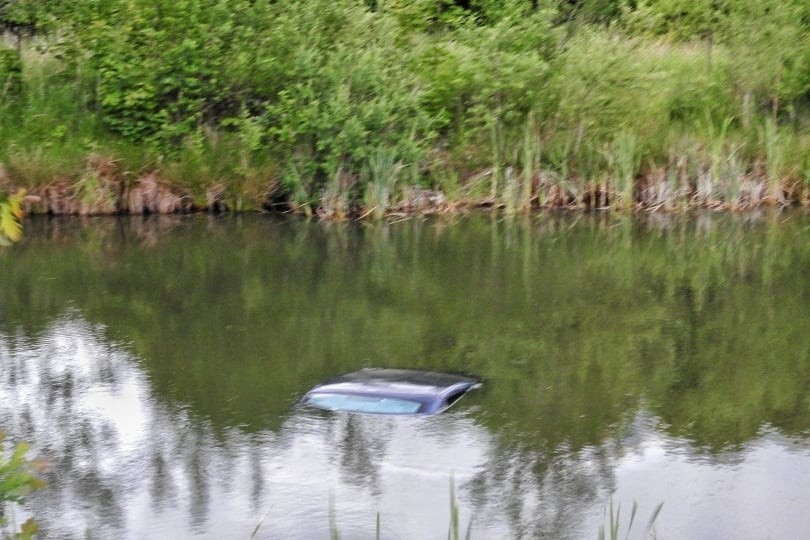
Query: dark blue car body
[[391, 391]]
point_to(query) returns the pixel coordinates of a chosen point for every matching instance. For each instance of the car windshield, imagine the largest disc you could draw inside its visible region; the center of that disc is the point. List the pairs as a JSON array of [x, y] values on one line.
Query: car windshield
[[365, 404]]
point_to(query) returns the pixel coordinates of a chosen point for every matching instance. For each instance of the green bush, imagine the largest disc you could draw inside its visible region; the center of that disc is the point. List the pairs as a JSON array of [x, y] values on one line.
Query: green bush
[[291, 95], [10, 76]]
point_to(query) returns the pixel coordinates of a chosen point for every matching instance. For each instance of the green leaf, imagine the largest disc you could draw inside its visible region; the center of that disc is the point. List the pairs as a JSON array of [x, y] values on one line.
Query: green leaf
[[11, 214], [28, 529]]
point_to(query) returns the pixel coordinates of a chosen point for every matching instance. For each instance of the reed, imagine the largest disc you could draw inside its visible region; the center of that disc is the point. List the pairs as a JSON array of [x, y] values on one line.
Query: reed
[[296, 183], [532, 156], [623, 160], [773, 143], [497, 149], [454, 531], [511, 191], [380, 174], [334, 534], [717, 140], [614, 521], [334, 203], [611, 529], [559, 158]]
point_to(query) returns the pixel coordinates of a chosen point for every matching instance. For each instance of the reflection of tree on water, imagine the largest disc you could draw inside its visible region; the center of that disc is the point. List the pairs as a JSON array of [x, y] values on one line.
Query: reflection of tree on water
[[162, 490], [44, 387], [197, 472], [543, 495], [574, 324], [118, 463], [541, 487], [361, 449]]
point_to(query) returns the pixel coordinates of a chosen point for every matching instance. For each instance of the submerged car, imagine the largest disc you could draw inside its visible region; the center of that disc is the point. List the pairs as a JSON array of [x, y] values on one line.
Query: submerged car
[[391, 391]]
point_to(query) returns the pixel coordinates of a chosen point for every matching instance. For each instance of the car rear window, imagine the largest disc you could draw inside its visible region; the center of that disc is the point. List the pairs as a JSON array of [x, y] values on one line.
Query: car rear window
[[364, 404]]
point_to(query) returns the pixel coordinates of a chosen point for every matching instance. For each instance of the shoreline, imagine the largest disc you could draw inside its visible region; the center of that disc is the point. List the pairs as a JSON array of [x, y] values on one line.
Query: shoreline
[[103, 189], [354, 110]]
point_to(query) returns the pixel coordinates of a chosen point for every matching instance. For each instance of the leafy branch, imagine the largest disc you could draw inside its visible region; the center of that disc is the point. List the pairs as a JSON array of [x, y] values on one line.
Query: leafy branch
[[17, 479], [11, 216]]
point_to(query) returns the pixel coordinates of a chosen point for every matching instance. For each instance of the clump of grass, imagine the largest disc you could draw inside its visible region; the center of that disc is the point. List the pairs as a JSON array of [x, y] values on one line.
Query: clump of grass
[[532, 156], [623, 160], [295, 181], [381, 174], [334, 200], [497, 146]]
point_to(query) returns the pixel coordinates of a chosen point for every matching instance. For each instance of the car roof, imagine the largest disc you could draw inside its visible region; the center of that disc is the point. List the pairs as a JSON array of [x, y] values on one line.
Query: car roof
[[427, 387], [415, 377]]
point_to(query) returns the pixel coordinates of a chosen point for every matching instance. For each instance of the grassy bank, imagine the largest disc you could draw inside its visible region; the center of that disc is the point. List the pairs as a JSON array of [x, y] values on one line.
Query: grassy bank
[[352, 108]]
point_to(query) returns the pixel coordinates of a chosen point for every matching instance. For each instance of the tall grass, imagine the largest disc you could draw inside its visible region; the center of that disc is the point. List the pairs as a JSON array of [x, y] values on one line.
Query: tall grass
[[498, 151], [774, 146], [454, 530], [610, 530], [614, 522], [532, 157], [623, 159], [381, 174]]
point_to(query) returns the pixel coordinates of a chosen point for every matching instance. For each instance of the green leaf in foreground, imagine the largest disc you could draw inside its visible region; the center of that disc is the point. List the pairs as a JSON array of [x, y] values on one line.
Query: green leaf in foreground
[[18, 478], [11, 214]]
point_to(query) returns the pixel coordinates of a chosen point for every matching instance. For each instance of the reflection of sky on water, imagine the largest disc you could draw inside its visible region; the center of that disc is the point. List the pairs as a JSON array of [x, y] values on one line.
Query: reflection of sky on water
[[753, 493], [126, 464]]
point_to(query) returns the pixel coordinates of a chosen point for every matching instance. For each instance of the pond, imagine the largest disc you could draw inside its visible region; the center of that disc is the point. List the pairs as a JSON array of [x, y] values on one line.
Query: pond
[[156, 365]]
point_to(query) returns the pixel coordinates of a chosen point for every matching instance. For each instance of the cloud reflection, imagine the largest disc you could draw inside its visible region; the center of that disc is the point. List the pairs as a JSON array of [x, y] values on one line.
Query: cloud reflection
[[126, 462]]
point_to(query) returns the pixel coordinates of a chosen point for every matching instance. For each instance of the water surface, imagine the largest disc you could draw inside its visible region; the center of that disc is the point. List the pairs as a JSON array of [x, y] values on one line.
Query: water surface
[[156, 364]]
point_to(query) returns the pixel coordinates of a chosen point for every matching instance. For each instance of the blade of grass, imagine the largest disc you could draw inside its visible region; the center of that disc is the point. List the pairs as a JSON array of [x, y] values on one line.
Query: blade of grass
[[653, 517], [259, 524]]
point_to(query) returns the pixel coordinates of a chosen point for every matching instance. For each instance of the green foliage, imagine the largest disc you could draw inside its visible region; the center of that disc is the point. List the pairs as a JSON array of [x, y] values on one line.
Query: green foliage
[[435, 16], [17, 479], [771, 45], [680, 19], [11, 215], [252, 95], [10, 76], [157, 65], [624, 159], [427, 15], [590, 11], [381, 176], [21, 17], [345, 92], [768, 39]]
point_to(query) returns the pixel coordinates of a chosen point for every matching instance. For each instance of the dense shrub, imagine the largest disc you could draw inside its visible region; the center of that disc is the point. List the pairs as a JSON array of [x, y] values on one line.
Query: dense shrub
[[10, 75], [306, 95]]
